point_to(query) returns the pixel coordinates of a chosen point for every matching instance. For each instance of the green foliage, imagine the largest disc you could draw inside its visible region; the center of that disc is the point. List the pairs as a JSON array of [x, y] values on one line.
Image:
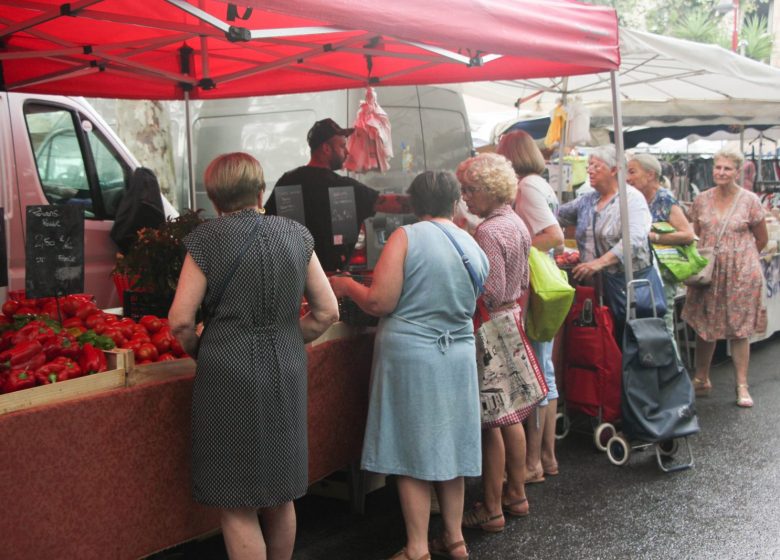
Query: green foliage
[[154, 261], [699, 25], [697, 20], [755, 32]]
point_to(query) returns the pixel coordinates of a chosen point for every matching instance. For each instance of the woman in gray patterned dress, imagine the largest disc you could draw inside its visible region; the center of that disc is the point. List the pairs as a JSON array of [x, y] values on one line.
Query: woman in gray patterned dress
[[249, 439]]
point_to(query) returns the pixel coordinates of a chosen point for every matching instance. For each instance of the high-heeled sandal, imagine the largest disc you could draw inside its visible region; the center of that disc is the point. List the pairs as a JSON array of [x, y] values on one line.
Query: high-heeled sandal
[[439, 548], [744, 402], [702, 387]]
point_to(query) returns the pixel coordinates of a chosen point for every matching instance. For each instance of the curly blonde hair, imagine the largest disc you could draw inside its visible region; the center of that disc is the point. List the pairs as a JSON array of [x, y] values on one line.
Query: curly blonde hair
[[492, 173], [730, 154]]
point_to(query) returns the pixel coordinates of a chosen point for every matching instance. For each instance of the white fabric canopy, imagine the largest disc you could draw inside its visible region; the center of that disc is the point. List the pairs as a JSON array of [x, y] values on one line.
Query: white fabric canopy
[[663, 81]]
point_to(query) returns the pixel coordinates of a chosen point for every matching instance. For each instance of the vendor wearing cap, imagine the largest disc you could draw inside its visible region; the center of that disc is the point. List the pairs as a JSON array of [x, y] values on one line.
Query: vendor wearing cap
[[328, 145]]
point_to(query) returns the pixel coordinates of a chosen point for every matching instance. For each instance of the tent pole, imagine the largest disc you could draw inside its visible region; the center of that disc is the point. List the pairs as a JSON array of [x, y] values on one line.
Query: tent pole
[[190, 169], [742, 151], [617, 117], [562, 145]]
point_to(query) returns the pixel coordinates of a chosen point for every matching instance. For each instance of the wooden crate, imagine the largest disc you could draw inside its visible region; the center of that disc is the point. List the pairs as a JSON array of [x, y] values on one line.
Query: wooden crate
[[116, 377], [158, 371]]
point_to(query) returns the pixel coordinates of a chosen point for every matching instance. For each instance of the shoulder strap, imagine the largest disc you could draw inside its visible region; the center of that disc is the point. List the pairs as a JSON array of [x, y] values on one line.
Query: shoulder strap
[[728, 217], [234, 265], [473, 273]]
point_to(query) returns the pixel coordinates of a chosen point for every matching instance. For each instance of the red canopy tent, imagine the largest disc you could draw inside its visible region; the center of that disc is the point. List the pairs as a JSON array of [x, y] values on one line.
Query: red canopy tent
[[168, 49], [174, 49]]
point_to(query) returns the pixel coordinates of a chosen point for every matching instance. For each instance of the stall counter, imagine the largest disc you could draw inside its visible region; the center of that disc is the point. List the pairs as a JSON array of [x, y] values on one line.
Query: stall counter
[[108, 475]]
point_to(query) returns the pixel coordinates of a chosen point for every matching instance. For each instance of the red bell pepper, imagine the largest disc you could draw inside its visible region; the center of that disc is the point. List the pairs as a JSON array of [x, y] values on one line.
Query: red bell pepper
[[50, 373], [21, 354], [63, 344], [18, 379], [6, 340], [92, 360], [72, 322], [71, 367], [34, 330]]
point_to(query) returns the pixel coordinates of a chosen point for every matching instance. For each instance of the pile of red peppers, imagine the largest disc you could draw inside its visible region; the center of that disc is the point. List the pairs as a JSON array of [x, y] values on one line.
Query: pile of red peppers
[[45, 341]]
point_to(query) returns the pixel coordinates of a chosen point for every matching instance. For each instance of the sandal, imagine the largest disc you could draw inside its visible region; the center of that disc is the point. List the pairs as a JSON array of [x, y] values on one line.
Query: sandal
[[402, 555], [702, 387], [744, 402], [534, 478], [515, 508], [438, 548], [479, 518], [550, 470]]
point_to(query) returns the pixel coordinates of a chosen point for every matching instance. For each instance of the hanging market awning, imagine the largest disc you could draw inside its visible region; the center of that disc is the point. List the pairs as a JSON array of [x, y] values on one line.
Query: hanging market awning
[[160, 49], [664, 81]]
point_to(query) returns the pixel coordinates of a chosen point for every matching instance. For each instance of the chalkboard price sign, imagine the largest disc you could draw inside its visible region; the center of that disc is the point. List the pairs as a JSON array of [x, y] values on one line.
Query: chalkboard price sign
[[54, 251], [289, 202]]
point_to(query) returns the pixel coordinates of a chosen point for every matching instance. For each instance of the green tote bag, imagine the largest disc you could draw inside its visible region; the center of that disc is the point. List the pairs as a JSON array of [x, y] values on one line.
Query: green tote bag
[[551, 297]]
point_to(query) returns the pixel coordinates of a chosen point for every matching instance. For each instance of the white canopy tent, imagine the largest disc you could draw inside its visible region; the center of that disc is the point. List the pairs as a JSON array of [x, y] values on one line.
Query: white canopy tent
[[663, 81]]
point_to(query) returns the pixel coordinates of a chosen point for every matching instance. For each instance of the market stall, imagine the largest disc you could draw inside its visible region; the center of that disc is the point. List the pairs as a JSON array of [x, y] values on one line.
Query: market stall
[[105, 473], [125, 451]]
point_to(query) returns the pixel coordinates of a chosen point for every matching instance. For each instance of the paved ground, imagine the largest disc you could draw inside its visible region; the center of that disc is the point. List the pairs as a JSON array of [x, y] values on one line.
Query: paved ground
[[727, 506]]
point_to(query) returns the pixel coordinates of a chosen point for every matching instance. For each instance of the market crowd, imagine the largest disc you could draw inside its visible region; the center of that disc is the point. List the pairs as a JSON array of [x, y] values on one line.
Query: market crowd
[[439, 410]]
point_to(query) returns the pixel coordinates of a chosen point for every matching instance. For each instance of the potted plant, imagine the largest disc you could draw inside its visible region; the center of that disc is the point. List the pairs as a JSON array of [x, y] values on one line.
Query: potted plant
[[149, 272]]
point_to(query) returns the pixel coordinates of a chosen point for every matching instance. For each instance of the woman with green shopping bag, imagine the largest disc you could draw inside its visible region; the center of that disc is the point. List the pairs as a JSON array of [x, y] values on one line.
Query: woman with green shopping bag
[[644, 174]]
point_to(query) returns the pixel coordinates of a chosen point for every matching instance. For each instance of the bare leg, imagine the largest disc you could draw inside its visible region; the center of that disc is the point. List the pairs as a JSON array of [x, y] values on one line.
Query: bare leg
[[278, 525], [740, 354], [549, 460], [451, 495], [534, 432], [493, 462], [514, 442], [415, 498], [242, 534], [704, 351]]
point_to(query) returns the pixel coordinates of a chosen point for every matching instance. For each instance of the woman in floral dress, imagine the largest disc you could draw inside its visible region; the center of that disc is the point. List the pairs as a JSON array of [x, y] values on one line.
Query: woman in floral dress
[[730, 307]]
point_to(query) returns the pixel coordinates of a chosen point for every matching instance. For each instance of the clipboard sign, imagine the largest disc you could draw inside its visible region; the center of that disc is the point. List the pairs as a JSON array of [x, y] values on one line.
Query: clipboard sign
[[343, 215], [54, 251], [289, 203]]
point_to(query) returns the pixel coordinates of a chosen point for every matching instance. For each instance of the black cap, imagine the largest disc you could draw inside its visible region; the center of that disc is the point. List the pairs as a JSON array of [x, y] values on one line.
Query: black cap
[[324, 130]]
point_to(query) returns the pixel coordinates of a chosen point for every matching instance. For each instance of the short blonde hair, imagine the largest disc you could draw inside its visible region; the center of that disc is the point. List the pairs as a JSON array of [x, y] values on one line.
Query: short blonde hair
[[234, 181], [492, 173], [521, 150], [729, 153]]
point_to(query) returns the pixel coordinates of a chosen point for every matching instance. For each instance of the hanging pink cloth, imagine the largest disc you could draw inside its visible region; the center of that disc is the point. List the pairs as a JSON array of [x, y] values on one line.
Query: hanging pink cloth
[[371, 145]]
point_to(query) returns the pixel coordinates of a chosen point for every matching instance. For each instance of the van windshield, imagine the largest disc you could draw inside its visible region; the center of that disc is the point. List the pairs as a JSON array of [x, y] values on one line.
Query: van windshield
[[63, 166]]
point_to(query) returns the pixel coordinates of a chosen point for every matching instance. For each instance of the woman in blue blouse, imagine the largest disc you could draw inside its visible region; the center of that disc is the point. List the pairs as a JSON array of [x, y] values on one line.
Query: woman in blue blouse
[[596, 216], [644, 174]]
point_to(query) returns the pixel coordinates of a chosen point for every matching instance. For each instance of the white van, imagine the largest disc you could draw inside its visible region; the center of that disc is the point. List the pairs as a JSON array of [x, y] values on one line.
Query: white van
[[429, 126], [58, 150]]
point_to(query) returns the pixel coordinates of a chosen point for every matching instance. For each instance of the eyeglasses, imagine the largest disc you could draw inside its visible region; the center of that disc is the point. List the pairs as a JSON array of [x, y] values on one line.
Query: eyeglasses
[[467, 190]]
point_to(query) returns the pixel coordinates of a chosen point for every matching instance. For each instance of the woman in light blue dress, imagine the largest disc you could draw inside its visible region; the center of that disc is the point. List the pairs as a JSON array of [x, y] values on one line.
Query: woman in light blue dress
[[424, 413]]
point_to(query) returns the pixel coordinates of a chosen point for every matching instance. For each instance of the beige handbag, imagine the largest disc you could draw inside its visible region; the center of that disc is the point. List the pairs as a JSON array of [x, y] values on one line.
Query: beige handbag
[[703, 278]]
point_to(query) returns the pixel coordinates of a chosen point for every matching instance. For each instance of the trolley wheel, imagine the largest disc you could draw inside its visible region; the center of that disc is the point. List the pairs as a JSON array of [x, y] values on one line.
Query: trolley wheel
[[562, 425], [618, 450], [668, 447], [604, 432]]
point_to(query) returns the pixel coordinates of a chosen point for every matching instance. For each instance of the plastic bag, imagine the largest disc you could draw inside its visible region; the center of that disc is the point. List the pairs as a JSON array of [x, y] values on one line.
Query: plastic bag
[[370, 146], [681, 261], [551, 297]]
